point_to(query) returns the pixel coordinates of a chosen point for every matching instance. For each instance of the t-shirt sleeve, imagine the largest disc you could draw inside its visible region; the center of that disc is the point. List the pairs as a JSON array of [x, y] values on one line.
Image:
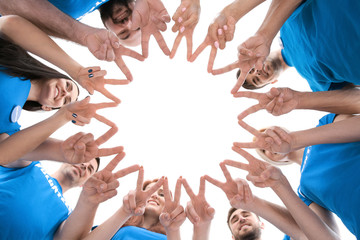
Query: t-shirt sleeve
[[303, 197]]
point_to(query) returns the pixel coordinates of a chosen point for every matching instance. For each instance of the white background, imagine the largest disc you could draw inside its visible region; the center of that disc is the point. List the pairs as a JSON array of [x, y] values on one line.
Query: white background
[[175, 119]]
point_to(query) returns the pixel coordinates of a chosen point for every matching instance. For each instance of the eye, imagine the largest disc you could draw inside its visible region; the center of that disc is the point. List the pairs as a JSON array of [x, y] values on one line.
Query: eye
[[122, 18], [252, 71]]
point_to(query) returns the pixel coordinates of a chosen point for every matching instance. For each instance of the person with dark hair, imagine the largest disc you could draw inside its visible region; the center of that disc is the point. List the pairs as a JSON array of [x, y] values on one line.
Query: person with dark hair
[[244, 224], [29, 83], [32, 202], [150, 17]]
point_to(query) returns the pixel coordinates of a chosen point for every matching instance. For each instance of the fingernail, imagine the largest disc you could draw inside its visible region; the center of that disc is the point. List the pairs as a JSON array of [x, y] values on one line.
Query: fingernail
[[216, 44], [91, 75], [225, 27], [182, 29], [220, 31], [80, 147], [180, 20], [73, 121], [183, 9], [102, 186], [90, 70]]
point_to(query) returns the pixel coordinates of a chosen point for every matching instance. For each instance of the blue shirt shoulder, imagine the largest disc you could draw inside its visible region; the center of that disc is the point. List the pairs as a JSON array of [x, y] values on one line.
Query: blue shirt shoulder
[[136, 233]]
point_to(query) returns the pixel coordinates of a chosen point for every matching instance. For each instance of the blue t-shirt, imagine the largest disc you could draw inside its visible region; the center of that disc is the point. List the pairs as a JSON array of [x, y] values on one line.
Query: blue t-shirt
[[330, 178], [321, 40], [31, 203], [77, 8], [136, 233], [14, 93]]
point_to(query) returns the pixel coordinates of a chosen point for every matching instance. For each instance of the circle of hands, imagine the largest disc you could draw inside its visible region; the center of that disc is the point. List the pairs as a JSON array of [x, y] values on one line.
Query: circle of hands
[[152, 17]]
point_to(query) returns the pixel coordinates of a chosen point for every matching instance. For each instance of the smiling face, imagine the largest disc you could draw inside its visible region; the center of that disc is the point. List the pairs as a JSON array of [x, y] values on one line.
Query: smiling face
[[245, 225], [77, 174], [57, 92], [156, 202], [119, 22]]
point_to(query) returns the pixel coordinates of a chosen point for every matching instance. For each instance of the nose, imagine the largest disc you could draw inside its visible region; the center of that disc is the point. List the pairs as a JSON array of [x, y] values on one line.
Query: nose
[[242, 219], [154, 196]]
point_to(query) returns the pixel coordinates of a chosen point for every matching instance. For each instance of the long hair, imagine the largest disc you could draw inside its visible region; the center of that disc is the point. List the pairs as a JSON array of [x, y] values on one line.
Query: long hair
[[16, 62], [139, 220]]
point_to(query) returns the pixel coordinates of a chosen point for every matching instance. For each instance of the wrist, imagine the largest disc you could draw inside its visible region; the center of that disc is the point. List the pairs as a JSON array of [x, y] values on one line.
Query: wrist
[[282, 184], [82, 32]]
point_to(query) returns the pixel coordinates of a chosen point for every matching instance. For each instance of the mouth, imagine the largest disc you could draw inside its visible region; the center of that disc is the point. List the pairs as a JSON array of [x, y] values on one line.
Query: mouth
[[153, 202], [244, 225]]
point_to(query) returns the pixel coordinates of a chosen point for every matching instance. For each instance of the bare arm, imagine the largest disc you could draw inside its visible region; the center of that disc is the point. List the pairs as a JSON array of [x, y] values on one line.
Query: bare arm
[[49, 18]]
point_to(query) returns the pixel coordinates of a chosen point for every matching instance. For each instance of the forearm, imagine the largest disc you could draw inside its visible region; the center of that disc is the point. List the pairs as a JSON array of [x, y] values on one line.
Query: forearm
[[50, 149], [173, 235], [312, 226], [46, 16], [279, 216], [32, 39], [20, 143], [110, 226], [279, 11], [80, 221], [339, 101], [240, 8], [201, 232], [347, 130]]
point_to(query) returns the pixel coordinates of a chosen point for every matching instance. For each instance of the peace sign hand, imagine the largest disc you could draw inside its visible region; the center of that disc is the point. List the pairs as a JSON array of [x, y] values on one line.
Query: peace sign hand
[[237, 191], [274, 139], [102, 185], [92, 78], [277, 101], [119, 52], [173, 215], [82, 147], [134, 202], [198, 210], [261, 174], [186, 18]]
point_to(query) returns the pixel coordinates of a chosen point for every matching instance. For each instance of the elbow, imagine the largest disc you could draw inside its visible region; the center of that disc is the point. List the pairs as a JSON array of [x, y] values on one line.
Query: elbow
[[10, 22]]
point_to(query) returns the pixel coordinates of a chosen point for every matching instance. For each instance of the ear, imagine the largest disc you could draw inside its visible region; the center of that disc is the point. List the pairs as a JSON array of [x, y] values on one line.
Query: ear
[[275, 81], [262, 225], [46, 108]]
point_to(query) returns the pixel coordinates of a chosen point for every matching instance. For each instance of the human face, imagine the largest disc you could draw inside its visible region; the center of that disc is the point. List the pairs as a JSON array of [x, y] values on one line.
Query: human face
[[57, 92], [156, 203], [77, 174], [276, 157], [120, 23], [259, 78], [245, 225]]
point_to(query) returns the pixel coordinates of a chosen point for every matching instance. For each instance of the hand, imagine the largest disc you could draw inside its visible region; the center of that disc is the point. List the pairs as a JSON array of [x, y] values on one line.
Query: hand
[[101, 43], [273, 139], [237, 191], [220, 31], [134, 202], [186, 18], [173, 215], [261, 174], [102, 185], [277, 101], [141, 14], [251, 54], [92, 78], [84, 111], [82, 147], [198, 210], [119, 52]]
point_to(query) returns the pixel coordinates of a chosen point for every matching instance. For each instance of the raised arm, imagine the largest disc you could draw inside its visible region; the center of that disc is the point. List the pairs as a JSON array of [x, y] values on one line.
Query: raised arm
[[262, 175], [97, 189], [56, 23]]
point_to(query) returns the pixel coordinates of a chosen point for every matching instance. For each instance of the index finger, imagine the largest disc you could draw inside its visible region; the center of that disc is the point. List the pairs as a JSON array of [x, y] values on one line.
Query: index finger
[[154, 187], [248, 94], [131, 53], [161, 42], [249, 111], [140, 179], [167, 195], [104, 105], [214, 181], [245, 154], [225, 69], [177, 191], [176, 45], [236, 164], [121, 64], [145, 44], [113, 163], [226, 172], [243, 73], [201, 48], [123, 172], [211, 59], [188, 188], [202, 187], [248, 128], [109, 151], [106, 136]]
